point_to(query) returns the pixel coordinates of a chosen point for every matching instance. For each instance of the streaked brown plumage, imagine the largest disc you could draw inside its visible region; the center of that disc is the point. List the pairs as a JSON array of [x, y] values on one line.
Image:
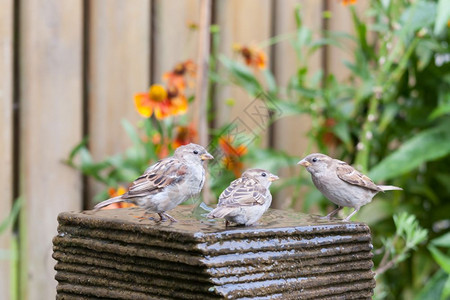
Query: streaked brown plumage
[[168, 182], [246, 199], [341, 183]]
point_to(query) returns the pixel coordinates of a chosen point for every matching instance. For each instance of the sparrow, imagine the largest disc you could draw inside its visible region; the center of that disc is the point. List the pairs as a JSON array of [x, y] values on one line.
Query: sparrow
[[246, 199], [341, 183], [168, 182]]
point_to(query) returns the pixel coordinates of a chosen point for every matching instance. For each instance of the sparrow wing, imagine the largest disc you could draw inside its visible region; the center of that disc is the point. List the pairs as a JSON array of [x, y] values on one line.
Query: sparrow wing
[[350, 175], [243, 192], [165, 172]]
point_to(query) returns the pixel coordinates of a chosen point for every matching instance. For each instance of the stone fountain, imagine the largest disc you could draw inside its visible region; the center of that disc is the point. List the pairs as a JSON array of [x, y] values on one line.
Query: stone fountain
[[111, 254]]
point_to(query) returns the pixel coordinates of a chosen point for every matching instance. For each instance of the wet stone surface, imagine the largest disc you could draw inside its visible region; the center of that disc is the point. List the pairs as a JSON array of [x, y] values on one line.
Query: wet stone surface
[[112, 254]]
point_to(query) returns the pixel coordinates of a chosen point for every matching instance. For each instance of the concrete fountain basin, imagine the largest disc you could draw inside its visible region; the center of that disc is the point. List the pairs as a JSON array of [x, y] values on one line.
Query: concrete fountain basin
[[112, 254]]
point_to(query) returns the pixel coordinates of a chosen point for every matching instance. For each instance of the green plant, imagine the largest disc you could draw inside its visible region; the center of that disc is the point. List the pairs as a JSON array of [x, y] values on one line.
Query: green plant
[[439, 285], [12, 253], [389, 117]]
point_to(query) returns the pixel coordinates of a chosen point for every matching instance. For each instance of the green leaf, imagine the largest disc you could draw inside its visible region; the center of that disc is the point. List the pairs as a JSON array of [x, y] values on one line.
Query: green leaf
[[419, 15], [342, 130], [11, 218], [443, 105], [442, 241], [434, 286], [243, 76], [443, 15], [270, 79], [446, 290], [389, 112], [76, 149], [426, 146], [131, 132], [442, 259]]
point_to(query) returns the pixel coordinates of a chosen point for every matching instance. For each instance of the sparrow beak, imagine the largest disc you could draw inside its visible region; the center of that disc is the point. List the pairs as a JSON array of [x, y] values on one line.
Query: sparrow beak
[[206, 156], [273, 177], [304, 163]]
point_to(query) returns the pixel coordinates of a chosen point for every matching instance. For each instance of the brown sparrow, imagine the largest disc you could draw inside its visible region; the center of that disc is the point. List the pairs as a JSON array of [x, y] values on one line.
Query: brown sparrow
[[168, 182], [246, 199], [341, 183]]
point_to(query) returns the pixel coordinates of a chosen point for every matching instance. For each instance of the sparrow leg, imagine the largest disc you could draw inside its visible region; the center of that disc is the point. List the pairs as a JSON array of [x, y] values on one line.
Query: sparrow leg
[[333, 213], [227, 223], [350, 215], [165, 216], [162, 217]]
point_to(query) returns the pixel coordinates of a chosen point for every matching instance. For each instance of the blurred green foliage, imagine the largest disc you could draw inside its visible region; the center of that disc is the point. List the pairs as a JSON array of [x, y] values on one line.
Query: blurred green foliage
[[389, 118]]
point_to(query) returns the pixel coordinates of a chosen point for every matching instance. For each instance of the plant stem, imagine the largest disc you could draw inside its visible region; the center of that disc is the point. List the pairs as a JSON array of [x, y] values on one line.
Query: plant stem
[[387, 266]]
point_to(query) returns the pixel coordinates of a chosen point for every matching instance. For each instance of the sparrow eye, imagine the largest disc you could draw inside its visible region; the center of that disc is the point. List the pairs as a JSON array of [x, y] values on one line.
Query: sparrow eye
[[314, 159], [263, 174], [195, 152]]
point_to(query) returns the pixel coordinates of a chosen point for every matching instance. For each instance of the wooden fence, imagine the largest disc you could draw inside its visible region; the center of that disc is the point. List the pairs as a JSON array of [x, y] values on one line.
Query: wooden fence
[[70, 68]]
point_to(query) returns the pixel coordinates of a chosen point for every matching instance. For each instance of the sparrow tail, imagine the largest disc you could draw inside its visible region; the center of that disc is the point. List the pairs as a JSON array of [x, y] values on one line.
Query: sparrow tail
[[390, 188], [219, 212], [108, 202]]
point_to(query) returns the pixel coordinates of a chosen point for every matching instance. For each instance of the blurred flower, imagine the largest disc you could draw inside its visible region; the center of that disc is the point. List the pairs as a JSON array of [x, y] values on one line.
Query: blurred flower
[[253, 56], [234, 164], [226, 143], [161, 147], [160, 102], [184, 135], [177, 77], [328, 137], [178, 101], [233, 155], [348, 2], [112, 192]]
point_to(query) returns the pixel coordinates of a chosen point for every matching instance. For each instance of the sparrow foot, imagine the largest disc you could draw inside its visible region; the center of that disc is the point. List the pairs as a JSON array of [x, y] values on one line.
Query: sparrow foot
[[164, 217]]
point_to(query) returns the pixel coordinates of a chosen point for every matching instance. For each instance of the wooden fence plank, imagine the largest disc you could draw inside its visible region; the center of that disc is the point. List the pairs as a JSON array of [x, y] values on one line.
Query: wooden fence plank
[[290, 132], [174, 42], [247, 22], [6, 137], [119, 53], [51, 114]]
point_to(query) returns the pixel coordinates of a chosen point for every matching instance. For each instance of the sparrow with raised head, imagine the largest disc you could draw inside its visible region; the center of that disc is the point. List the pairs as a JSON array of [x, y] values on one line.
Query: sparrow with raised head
[[341, 183], [246, 199], [168, 182]]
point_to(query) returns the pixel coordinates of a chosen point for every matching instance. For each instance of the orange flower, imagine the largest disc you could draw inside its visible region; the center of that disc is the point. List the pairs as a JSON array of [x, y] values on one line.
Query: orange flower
[[226, 143], [178, 102], [253, 56], [348, 2], [161, 147], [232, 159], [233, 164], [112, 192], [177, 77], [160, 102], [184, 135]]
